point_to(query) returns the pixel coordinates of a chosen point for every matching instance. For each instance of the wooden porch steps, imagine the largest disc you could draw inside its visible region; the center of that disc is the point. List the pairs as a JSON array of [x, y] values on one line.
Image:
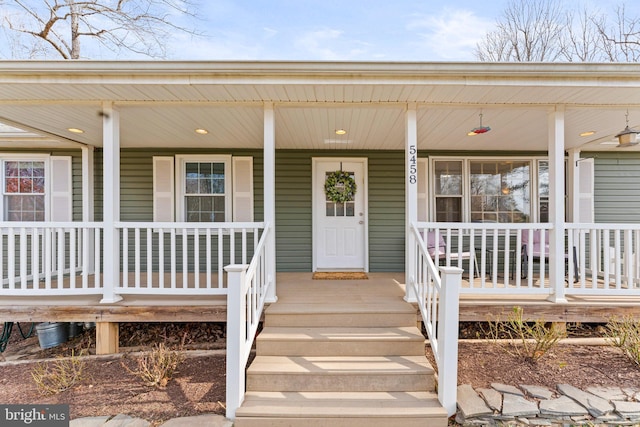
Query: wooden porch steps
[[339, 373], [348, 341], [364, 315], [341, 409], [326, 362]]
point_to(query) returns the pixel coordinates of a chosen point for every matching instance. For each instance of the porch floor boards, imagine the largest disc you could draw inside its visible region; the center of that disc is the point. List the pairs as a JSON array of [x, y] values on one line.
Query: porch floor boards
[[301, 288]]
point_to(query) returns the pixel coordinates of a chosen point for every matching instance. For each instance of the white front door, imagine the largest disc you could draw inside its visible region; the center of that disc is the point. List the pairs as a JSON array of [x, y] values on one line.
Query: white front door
[[339, 229]]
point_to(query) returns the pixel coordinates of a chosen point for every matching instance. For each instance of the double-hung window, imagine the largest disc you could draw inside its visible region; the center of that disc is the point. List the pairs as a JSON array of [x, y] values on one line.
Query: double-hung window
[[204, 188], [24, 190], [448, 190], [205, 196], [35, 188]]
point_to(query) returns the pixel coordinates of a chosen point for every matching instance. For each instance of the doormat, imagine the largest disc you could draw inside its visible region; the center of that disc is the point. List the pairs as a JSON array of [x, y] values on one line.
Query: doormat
[[339, 275]]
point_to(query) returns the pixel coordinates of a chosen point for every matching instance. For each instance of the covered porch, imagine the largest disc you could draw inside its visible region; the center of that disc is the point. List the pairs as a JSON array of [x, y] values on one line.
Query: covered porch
[[155, 191]]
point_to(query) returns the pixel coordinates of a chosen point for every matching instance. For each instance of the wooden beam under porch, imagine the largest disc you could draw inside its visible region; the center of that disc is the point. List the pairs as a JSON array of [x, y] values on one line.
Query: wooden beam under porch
[[199, 308]]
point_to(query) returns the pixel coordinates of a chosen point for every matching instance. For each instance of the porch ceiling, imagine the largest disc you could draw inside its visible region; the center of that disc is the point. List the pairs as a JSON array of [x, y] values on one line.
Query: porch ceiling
[[162, 107]]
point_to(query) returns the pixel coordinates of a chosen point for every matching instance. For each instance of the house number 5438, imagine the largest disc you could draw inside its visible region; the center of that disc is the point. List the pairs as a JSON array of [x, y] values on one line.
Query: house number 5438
[[413, 165]]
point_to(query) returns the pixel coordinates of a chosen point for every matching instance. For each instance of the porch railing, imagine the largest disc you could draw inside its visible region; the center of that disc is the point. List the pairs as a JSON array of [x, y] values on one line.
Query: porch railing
[[436, 290], [606, 261], [182, 258], [54, 258], [247, 293], [514, 259], [492, 254], [66, 258]]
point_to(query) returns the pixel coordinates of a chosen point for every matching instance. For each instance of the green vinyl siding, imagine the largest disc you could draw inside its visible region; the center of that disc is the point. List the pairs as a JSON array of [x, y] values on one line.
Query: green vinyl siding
[[294, 227], [386, 211], [293, 211], [616, 192]]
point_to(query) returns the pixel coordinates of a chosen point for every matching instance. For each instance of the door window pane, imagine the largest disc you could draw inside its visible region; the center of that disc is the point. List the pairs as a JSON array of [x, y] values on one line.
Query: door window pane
[[345, 209]]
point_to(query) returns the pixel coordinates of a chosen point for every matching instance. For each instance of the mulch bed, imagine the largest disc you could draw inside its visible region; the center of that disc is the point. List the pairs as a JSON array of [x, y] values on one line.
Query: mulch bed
[[199, 384]]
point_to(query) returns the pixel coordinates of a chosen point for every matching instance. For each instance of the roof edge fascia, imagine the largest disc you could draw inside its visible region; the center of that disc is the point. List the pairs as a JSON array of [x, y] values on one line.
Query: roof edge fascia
[[87, 68]]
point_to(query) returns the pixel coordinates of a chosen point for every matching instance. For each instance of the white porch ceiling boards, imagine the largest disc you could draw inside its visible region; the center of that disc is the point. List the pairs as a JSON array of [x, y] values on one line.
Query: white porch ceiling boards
[[161, 103], [373, 127]]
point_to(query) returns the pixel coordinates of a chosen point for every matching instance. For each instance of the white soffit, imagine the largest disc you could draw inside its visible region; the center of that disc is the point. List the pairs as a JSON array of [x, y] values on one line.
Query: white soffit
[[162, 102]]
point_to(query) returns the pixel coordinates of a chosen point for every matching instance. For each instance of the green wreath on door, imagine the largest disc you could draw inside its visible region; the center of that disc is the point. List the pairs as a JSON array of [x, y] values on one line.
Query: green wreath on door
[[340, 187]]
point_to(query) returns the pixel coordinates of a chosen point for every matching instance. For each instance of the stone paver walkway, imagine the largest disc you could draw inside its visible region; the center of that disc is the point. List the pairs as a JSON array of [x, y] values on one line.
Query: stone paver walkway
[[500, 405], [127, 421], [504, 405]]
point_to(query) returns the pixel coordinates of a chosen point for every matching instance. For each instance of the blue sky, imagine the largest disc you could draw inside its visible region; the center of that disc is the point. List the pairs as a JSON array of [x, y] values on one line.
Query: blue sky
[[355, 30], [396, 30], [379, 30]]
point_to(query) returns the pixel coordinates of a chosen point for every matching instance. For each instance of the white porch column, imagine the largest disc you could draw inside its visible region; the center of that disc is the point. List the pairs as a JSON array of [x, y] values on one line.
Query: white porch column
[[111, 204], [88, 204], [411, 195], [270, 197], [556, 204]]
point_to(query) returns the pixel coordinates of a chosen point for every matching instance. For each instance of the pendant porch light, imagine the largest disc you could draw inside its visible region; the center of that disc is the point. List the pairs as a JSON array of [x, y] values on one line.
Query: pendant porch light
[[480, 129], [627, 137]]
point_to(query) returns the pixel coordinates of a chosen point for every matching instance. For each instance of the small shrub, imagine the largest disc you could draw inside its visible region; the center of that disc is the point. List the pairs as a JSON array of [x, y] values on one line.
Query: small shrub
[[624, 333], [525, 339], [156, 368], [60, 375]]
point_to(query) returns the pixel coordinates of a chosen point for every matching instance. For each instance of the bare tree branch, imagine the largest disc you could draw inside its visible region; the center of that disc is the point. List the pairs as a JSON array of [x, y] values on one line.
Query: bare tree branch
[[621, 39], [138, 26], [541, 30]]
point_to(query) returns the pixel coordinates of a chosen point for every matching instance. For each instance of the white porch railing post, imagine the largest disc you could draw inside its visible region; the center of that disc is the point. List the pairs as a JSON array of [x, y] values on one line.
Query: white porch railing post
[[556, 204], [411, 194], [236, 324], [448, 337], [270, 198], [111, 194]]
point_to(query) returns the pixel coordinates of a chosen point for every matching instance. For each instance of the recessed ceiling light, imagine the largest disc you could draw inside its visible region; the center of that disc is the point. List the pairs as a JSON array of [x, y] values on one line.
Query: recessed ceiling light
[[588, 133], [341, 132], [75, 130], [201, 131]]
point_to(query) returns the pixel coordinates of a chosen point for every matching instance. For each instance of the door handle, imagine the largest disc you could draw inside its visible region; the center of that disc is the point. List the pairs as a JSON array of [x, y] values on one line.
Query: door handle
[[360, 222]]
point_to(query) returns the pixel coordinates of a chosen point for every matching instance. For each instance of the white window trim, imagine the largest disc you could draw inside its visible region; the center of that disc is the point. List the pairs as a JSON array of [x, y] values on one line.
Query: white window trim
[[466, 201], [46, 158], [181, 160]]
